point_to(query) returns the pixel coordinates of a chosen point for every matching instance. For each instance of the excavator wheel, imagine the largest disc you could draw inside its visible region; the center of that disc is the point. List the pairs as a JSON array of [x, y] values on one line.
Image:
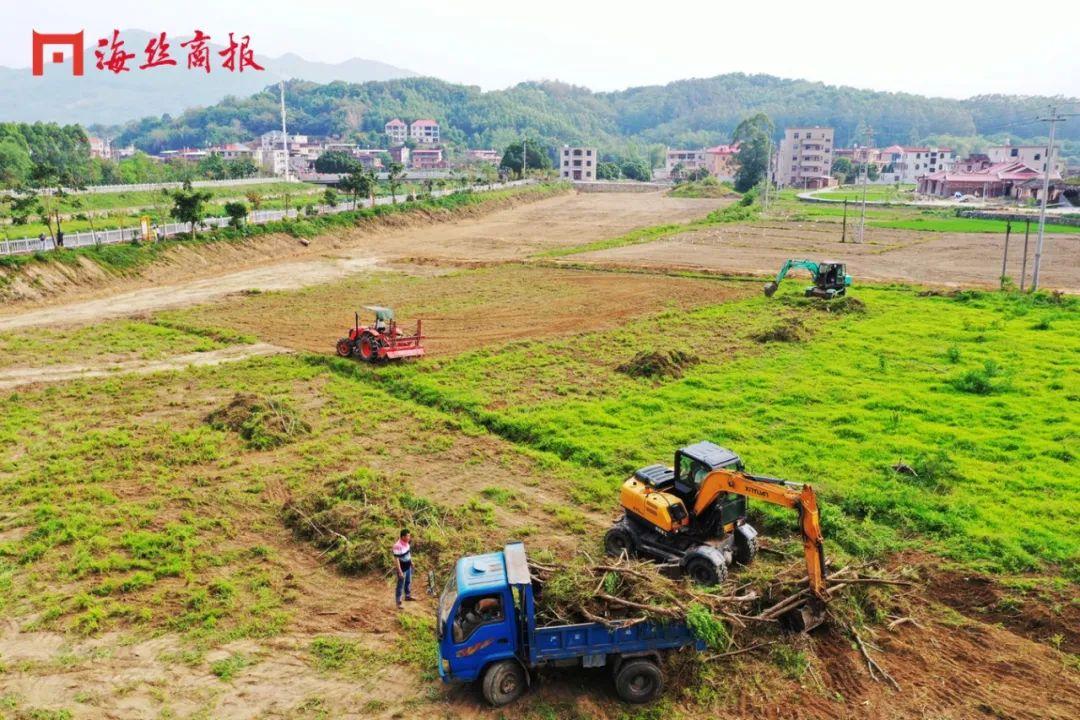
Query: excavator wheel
[[770, 288], [619, 540], [704, 570], [745, 550]]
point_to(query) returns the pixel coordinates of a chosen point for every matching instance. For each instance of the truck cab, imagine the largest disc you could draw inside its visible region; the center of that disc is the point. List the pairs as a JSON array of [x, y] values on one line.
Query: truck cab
[[487, 632]]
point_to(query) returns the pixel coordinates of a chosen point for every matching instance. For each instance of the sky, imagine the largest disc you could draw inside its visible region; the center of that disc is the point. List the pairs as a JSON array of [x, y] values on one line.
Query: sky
[[949, 48]]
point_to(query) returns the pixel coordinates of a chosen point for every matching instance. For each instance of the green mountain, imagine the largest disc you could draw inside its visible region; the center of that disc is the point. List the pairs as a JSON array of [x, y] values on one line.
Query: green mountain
[[685, 113]]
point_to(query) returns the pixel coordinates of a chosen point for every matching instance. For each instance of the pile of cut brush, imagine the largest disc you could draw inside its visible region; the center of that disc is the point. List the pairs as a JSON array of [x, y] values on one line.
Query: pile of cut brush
[[621, 591]]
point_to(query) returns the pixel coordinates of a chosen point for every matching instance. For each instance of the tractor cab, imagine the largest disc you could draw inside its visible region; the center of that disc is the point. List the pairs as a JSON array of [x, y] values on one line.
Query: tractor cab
[[384, 317]]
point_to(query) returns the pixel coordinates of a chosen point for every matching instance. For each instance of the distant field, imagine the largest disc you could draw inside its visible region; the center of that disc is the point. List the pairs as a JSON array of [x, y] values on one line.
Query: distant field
[[874, 193]]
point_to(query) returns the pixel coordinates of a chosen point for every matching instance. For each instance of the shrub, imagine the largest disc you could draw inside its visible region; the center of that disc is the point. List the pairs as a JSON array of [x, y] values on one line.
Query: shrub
[[657, 363], [263, 422]]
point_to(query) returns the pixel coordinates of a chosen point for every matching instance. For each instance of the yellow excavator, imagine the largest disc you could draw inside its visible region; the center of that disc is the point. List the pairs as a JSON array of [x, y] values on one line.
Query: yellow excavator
[[694, 516]]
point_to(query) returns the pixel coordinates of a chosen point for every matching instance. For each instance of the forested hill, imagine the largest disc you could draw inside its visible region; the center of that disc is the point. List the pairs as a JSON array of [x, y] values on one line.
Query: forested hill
[[685, 113]]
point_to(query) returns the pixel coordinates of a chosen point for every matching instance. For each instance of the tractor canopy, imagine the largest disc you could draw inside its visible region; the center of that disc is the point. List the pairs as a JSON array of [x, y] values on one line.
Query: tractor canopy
[[383, 314]]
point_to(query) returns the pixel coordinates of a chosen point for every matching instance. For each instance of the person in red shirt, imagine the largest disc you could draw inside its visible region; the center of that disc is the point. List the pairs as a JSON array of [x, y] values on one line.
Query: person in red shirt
[[402, 551]]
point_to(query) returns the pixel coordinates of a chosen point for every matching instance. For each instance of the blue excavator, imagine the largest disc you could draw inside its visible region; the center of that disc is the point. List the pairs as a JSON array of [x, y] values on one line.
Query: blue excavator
[[830, 278]]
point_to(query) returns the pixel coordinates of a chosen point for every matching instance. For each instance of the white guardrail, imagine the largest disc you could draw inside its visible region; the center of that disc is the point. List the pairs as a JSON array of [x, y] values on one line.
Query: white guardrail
[[87, 238]]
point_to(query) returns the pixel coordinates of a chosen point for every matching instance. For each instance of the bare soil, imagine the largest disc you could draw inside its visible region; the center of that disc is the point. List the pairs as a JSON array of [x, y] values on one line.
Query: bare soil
[[199, 273], [931, 258]]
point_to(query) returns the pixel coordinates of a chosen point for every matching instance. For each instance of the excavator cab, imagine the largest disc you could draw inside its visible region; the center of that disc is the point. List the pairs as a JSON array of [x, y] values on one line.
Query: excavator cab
[[693, 463]]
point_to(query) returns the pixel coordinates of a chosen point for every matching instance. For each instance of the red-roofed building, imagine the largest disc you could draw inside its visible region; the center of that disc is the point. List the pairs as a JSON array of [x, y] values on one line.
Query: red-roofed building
[[396, 130], [721, 161], [99, 147], [1006, 179], [424, 131], [423, 158], [231, 151]]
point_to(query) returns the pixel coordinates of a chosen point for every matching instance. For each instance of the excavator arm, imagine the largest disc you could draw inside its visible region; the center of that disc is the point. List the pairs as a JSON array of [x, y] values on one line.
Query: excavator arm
[[775, 492], [787, 267]]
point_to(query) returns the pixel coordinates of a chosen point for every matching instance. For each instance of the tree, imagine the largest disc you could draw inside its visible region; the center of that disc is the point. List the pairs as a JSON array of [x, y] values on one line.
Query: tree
[[330, 197], [241, 167], [212, 166], [189, 205], [608, 171], [237, 212], [359, 182], [536, 157], [841, 169], [255, 198], [394, 174], [336, 161], [15, 163], [636, 170], [754, 136], [488, 174]]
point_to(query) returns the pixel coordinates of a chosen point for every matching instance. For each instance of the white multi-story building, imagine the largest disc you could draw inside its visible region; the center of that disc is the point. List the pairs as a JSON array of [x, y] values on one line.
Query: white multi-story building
[[231, 151], [424, 131], [397, 131], [577, 163], [685, 160], [1034, 156], [900, 164], [805, 158], [272, 159]]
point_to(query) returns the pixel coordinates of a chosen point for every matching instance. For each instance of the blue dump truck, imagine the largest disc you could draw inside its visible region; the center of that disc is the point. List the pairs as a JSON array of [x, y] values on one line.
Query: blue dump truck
[[487, 632]]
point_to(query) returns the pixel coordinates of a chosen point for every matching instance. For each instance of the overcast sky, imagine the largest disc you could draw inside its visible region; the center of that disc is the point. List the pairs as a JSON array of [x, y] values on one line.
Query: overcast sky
[[953, 48]]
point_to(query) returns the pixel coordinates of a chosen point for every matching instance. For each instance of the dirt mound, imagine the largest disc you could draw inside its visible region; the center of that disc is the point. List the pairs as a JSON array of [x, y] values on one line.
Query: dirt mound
[[263, 422], [658, 364], [789, 330]]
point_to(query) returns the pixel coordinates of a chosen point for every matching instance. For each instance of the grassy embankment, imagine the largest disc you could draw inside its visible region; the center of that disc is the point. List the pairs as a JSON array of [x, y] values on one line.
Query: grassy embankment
[[122, 257], [874, 193]]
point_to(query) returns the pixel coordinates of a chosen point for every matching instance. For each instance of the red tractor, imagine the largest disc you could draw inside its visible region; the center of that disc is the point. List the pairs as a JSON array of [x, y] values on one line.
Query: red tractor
[[381, 340]]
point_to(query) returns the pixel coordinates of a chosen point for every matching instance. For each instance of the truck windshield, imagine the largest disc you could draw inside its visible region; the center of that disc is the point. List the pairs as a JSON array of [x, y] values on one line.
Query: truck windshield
[[446, 603]]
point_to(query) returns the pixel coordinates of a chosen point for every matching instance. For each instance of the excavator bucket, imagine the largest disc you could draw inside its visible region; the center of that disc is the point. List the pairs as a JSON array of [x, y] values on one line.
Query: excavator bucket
[[804, 618], [770, 288]]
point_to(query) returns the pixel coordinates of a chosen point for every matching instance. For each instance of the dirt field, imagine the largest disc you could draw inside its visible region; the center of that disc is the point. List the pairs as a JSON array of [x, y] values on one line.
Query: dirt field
[[198, 274], [932, 258]]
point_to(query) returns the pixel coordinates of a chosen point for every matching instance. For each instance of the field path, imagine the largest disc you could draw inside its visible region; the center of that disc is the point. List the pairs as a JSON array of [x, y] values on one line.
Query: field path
[[17, 376]]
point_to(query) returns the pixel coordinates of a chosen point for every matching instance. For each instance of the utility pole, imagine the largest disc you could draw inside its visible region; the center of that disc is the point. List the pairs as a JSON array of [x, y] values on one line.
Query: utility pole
[[866, 176], [768, 168], [1023, 265], [1054, 118], [524, 158], [1005, 255], [284, 135]]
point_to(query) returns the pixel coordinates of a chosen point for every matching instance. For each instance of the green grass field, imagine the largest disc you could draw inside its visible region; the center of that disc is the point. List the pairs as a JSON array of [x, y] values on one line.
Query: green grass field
[[976, 392], [874, 193]]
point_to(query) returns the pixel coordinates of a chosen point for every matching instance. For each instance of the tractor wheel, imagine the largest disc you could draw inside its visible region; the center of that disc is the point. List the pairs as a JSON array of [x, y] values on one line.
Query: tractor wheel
[[344, 347], [702, 570], [367, 347], [503, 682], [745, 550], [639, 681], [619, 540]]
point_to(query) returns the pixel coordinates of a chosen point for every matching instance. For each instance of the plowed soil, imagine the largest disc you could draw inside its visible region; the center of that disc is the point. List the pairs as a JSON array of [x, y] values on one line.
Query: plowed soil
[[932, 258]]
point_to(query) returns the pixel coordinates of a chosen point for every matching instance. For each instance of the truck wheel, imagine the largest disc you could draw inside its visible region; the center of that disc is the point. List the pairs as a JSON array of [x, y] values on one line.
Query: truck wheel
[[639, 681], [503, 683], [704, 571], [344, 347], [745, 550], [619, 540]]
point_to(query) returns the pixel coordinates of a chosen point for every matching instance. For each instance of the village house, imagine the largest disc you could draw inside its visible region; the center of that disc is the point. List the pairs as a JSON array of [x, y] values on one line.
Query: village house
[[1034, 156], [231, 151], [399, 154], [488, 156], [577, 163], [901, 164], [425, 131], [397, 131], [1013, 180], [427, 158], [805, 158], [684, 161], [99, 147], [722, 161]]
